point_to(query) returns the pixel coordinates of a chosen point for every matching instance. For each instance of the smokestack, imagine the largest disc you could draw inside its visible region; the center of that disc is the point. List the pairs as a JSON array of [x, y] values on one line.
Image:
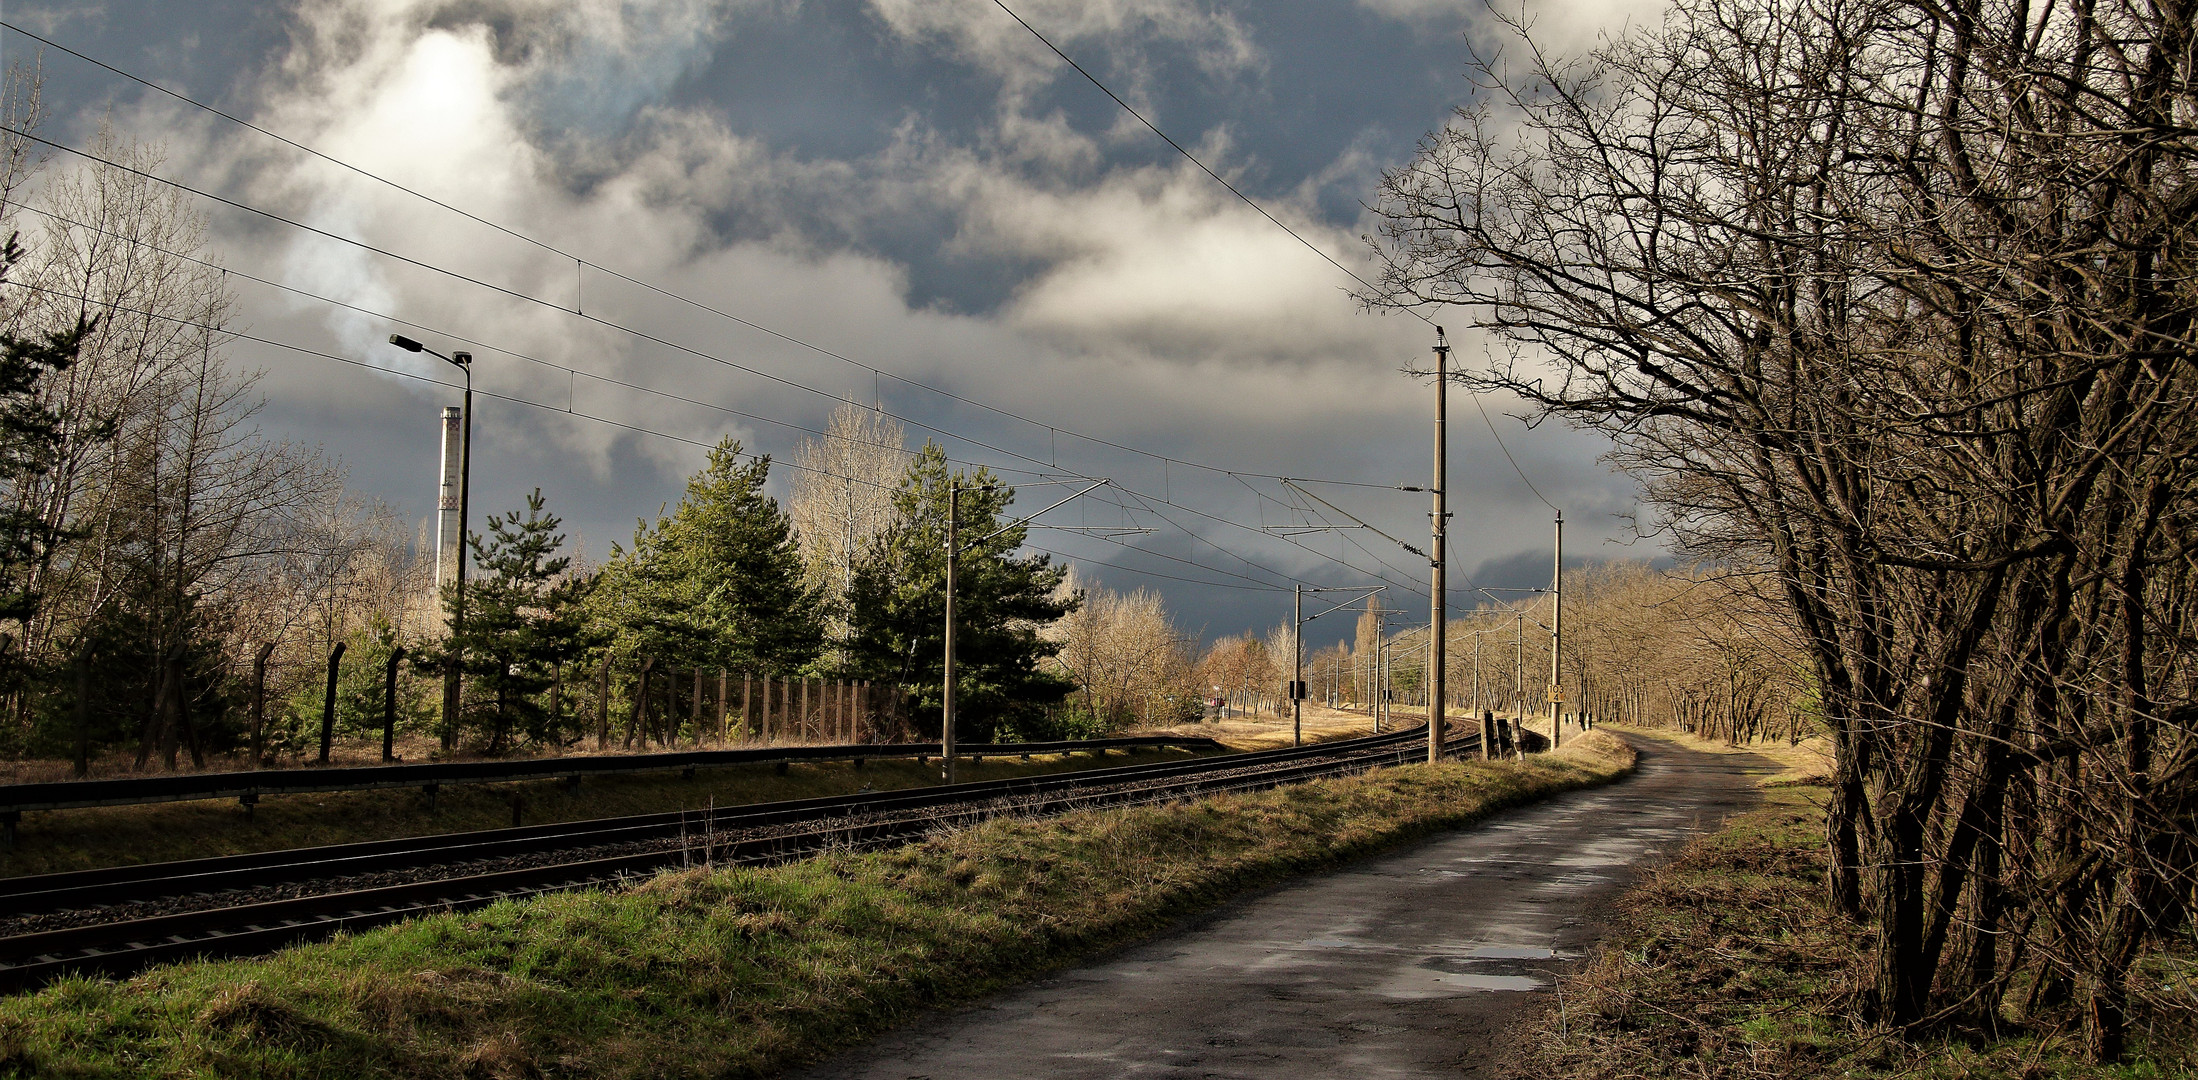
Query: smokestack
[[447, 536]]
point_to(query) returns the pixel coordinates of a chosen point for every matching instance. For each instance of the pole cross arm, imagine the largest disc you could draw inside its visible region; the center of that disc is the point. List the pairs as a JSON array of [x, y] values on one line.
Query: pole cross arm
[[1025, 520], [1346, 513], [1344, 604]]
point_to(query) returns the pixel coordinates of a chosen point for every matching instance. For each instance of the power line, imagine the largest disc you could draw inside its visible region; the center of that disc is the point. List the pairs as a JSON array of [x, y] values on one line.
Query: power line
[[517, 295], [580, 261], [401, 373], [1262, 211], [1192, 158], [571, 409], [479, 344], [643, 335], [637, 428], [1154, 573]]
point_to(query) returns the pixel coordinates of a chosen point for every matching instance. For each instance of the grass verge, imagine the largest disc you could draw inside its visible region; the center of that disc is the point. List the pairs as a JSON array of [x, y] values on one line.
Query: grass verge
[[746, 971], [1727, 964], [50, 841]]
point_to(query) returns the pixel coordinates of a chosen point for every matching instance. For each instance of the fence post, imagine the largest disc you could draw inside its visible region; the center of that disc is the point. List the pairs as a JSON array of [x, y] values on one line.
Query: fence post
[[389, 705], [84, 712], [806, 719], [748, 705], [698, 706], [640, 704], [603, 705], [259, 701], [328, 702], [724, 686]]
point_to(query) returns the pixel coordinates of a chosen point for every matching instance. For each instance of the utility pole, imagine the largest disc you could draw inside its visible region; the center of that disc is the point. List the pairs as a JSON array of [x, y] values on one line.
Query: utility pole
[[1381, 675], [1297, 664], [953, 556], [1487, 736], [953, 552], [1518, 677], [1438, 554], [1557, 638]]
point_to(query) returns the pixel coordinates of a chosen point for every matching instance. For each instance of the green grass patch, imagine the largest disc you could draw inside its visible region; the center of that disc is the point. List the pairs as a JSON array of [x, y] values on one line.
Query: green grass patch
[[747, 971], [57, 840], [1728, 963]]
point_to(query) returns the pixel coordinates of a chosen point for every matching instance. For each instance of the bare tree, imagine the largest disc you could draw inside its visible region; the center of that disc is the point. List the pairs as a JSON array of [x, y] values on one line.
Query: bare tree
[[1124, 653], [1892, 300], [842, 497]]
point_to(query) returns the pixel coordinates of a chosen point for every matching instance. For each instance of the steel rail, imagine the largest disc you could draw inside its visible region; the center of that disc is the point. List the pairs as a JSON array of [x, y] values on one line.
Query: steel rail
[[249, 785], [49, 892], [113, 947]]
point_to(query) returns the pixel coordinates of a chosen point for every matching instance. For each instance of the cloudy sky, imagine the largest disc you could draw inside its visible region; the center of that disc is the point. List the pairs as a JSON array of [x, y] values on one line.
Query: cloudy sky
[[768, 205]]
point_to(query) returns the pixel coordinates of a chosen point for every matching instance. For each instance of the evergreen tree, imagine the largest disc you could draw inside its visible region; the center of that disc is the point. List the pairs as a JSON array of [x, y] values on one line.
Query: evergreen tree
[[719, 581], [521, 619], [898, 606]]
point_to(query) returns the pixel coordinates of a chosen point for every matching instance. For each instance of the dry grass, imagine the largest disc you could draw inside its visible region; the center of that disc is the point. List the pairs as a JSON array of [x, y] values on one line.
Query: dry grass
[[1728, 965], [744, 972], [1263, 732], [57, 840], [1806, 764]]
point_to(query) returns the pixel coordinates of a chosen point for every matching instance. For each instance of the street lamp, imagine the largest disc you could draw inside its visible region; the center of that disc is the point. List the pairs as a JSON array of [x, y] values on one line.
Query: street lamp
[[463, 361]]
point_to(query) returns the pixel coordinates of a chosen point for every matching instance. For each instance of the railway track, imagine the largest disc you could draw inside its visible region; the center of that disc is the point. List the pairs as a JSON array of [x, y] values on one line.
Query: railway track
[[121, 919]]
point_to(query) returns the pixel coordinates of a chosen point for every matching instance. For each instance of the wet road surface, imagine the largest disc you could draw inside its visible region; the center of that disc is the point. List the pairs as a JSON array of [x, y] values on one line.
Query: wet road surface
[[1412, 964]]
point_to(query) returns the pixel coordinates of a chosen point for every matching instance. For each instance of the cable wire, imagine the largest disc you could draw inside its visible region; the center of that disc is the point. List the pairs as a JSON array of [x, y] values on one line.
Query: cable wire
[[1262, 211], [646, 336], [581, 261]]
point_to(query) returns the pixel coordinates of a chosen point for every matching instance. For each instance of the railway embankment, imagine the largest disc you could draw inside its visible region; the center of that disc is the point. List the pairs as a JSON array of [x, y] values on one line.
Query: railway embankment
[[101, 836], [745, 971]]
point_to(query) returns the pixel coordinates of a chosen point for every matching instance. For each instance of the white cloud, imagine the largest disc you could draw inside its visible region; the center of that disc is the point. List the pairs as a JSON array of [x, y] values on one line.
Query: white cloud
[[1563, 27]]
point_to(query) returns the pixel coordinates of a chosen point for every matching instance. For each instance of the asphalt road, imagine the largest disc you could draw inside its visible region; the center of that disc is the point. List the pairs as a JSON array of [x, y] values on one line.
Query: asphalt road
[[1417, 963]]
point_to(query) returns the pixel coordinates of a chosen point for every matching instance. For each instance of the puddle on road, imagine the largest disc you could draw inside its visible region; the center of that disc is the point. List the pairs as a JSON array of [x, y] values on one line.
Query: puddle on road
[[1494, 982], [1511, 952]]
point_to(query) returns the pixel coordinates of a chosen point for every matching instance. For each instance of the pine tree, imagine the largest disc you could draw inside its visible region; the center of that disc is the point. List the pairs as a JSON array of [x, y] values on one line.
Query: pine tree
[[719, 581], [521, 619], [898, 606]]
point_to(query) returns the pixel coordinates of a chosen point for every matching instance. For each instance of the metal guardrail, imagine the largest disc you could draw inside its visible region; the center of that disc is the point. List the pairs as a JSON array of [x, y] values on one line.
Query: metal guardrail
[[248, 786]]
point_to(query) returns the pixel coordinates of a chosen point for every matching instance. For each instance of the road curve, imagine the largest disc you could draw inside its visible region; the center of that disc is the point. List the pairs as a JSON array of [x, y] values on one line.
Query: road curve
[[1410, 964]]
